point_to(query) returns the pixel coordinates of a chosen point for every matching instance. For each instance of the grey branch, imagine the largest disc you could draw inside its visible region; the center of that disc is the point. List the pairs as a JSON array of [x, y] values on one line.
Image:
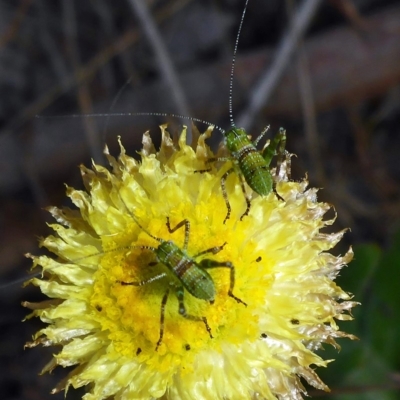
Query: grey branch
[[268, 81], [163, 60]]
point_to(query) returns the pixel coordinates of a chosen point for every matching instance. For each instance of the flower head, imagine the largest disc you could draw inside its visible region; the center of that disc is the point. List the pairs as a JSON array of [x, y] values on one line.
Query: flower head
[[135, 329]]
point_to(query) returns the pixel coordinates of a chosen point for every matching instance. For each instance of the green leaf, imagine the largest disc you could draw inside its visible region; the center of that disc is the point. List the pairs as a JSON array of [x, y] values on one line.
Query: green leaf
[[383, 309], [364, 376]]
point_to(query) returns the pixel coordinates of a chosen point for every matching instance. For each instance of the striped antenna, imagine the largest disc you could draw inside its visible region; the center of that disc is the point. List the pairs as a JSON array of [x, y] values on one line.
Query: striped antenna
[[19, 280], [233, 65], [135, 114], [137, 221], [30, 276], [143, 229], [36, 274]]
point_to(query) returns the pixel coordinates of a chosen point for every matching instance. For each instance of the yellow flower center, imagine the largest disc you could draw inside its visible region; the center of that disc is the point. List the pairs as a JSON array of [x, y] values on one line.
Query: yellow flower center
[[131, 313]]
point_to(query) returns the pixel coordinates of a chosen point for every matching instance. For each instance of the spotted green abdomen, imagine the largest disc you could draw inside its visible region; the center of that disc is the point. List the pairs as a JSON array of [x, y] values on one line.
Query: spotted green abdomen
[[255, 170], [199, 283]]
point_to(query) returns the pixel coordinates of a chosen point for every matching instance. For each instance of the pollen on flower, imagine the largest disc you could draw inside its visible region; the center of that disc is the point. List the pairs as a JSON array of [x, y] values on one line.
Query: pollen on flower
[[127, 312]]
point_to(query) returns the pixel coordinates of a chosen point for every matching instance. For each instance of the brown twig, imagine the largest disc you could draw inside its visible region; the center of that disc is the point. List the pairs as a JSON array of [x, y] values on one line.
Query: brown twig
[[13, 27]]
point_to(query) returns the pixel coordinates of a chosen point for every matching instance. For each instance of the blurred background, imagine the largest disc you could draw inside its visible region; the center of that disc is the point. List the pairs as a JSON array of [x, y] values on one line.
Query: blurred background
[[328, 71]]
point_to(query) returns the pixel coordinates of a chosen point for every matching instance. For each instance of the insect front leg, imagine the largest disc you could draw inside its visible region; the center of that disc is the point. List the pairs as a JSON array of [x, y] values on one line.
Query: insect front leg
[[224, 177], [208, 264], [187, 230], [276, 148], [281, 150], [246, 197], [208, 161], [182, 310], [224, 193], [213, 250], [223, 185], [163, 301], [212, 160]]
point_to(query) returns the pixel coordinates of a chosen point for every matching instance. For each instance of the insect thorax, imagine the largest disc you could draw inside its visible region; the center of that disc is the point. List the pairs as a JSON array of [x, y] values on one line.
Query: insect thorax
[[197, 281], [236, 139], [169, 254]]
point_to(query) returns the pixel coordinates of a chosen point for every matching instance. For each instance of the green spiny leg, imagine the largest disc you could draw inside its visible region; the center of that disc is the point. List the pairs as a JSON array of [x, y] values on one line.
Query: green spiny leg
[[208, 161], [163, 301], [187, 230], [225, 194], [225, 176], [260, 136], [288, 164], [162, 318], [211, 160], [276, 147], [182, 310], [246, 197], [281, 151], [208, 264], [213, 250], [145, 282], [283, 154]]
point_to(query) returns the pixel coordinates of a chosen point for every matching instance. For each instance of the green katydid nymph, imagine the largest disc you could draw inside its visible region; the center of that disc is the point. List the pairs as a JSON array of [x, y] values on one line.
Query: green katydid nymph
[[183, 272]]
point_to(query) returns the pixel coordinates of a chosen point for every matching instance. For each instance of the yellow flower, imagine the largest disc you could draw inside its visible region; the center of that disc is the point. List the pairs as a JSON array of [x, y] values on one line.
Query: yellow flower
[[131, 341]]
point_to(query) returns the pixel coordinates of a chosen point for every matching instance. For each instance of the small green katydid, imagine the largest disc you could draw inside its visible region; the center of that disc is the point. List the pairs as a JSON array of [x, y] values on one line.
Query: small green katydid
[[184, 273]]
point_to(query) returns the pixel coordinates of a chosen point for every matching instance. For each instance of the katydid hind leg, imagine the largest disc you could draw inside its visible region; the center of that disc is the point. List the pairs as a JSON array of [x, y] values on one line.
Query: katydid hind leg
[[208, 264], [276, 147], [162, 318], [182, 310], [281, 151]]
